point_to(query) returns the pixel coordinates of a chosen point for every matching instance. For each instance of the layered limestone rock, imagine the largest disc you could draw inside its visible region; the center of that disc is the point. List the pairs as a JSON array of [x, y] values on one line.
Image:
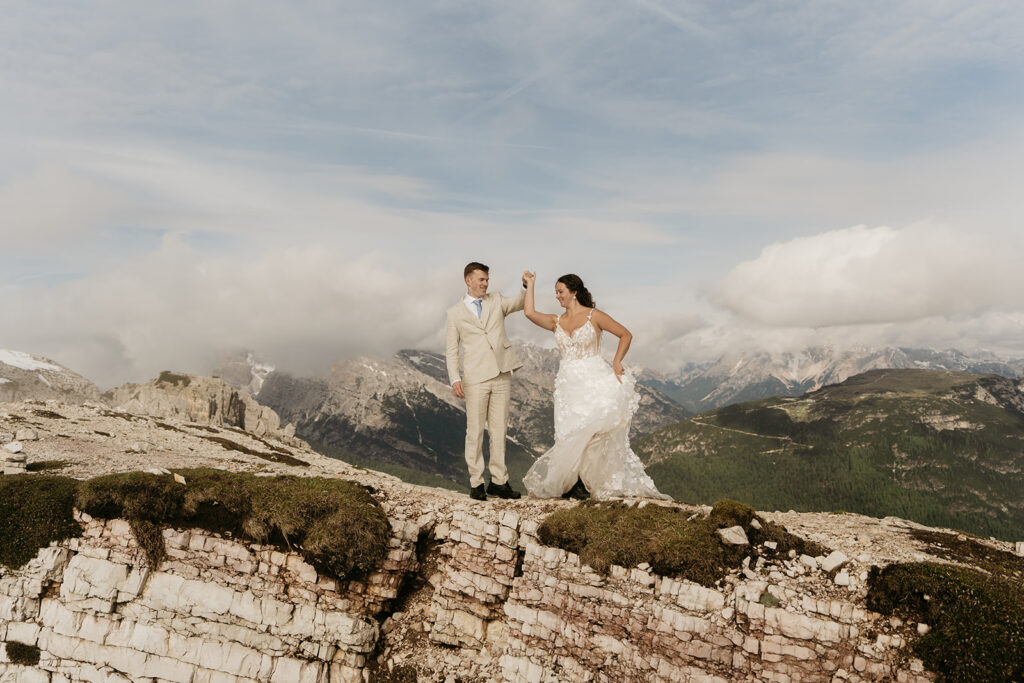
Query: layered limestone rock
[[466, 592], [204, 400], [216, 610]]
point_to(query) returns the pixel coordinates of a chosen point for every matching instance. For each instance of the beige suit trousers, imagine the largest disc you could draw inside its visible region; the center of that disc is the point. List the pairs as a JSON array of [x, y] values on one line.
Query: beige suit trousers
[[487, 404]]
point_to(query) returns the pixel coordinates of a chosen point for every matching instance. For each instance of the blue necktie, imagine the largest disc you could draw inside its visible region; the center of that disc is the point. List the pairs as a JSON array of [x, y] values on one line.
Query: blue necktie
[[479, 307]]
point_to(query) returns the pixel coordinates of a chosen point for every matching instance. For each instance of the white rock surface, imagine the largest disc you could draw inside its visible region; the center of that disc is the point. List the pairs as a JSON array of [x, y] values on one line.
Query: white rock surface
[[734, 535], [808, 561], [834, 561]]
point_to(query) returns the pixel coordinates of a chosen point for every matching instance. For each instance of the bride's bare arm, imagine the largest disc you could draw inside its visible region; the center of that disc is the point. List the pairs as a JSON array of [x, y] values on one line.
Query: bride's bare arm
[[605, 323], [545, 320]]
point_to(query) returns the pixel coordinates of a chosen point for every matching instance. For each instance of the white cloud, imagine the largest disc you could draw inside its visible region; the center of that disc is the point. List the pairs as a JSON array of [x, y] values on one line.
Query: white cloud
[[177, 308], [873, 275]]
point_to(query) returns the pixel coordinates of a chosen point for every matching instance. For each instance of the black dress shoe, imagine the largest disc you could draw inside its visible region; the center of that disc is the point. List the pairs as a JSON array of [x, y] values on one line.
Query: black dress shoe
[[577, 492], [503, 491], [477, 493]]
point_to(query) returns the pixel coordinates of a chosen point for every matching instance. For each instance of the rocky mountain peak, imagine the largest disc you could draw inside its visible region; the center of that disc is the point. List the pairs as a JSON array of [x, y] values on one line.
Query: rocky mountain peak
[[25, 376], [244, 370]]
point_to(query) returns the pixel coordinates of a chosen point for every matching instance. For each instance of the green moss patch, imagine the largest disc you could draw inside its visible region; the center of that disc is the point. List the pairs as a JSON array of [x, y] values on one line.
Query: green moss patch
[[46, 465], [603, 534], [977, 620], [35, 511], [336, 525], [966, 549], [22, 654]]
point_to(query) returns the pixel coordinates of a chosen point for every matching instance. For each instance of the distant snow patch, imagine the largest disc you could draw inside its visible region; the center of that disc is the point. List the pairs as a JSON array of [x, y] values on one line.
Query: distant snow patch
[[43, 379], [24, 361], [3, 380]]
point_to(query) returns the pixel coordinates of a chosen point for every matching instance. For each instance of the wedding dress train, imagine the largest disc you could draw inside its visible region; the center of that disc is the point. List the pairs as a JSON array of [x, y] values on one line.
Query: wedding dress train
[[593, 412]]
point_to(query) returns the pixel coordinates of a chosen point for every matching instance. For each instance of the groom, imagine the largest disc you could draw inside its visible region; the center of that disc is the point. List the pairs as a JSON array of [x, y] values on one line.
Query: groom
[[478, 322]]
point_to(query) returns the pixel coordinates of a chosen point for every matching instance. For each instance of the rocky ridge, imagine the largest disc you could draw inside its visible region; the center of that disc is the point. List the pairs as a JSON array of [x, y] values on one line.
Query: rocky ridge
[[25, 376], [194, 398], [467, 591]]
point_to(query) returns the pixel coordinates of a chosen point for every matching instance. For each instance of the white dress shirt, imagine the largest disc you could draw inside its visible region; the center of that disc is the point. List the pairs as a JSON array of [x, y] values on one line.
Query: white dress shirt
[[470, 305]]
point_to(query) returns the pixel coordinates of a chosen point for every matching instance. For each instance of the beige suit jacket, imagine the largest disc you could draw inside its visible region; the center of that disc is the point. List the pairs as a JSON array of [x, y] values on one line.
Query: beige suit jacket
[[486, 350]]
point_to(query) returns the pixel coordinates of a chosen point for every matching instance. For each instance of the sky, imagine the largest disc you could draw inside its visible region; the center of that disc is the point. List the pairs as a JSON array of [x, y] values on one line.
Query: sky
[[308, 179]]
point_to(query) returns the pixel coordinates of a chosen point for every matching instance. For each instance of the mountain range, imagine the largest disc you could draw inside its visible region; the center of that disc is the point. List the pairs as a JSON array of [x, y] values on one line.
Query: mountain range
[[399, 414], [735, 378], [937, 446]]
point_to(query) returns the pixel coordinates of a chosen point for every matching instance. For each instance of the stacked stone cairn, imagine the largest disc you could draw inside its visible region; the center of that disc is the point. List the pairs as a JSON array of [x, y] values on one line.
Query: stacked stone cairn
[[15, 460]]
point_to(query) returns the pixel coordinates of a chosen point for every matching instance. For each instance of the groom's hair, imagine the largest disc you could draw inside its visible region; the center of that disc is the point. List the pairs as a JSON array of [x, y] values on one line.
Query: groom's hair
[[473, 265]]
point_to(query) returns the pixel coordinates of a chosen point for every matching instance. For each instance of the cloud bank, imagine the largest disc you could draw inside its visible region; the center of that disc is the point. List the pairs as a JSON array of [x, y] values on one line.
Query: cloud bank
[[865, 276]]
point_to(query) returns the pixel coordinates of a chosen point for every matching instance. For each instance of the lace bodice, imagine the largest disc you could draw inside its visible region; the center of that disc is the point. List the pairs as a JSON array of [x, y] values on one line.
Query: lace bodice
[[584, 342]]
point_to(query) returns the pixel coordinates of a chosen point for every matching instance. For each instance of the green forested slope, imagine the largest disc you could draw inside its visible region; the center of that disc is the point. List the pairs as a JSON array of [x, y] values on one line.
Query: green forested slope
[[941, 448]]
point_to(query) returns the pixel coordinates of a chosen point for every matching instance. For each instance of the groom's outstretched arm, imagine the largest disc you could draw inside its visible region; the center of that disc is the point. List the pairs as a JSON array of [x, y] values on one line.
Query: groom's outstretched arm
[[513, 304]]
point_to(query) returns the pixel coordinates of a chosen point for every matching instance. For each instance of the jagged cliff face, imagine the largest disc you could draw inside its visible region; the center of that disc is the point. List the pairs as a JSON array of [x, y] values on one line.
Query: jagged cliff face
[[467, 592], [24, 376], [402, 411]]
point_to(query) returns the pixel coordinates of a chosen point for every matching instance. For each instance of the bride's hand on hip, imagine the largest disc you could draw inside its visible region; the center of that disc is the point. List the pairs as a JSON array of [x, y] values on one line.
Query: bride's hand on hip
[[619, 370]]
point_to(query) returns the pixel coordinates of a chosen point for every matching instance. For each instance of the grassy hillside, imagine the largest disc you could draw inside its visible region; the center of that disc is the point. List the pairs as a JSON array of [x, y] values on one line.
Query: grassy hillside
[[941, 448]]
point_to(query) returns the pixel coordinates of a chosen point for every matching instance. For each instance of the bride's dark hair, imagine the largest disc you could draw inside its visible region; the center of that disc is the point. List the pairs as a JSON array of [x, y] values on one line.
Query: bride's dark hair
[[575, 285]]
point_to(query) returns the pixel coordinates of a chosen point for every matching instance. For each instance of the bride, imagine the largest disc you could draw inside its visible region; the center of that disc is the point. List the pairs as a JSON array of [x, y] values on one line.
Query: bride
[[594, 404]]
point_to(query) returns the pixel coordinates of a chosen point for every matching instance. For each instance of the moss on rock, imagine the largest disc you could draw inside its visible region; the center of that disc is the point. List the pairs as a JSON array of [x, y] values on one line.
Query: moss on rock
[[22, 654], [335, 524], [35, 511], [976, 619], [603, 534], [967, 549], [173, 378]]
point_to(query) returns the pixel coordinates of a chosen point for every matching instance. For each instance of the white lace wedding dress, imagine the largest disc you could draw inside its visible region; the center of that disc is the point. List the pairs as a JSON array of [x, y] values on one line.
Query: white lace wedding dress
[[592, 416]]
